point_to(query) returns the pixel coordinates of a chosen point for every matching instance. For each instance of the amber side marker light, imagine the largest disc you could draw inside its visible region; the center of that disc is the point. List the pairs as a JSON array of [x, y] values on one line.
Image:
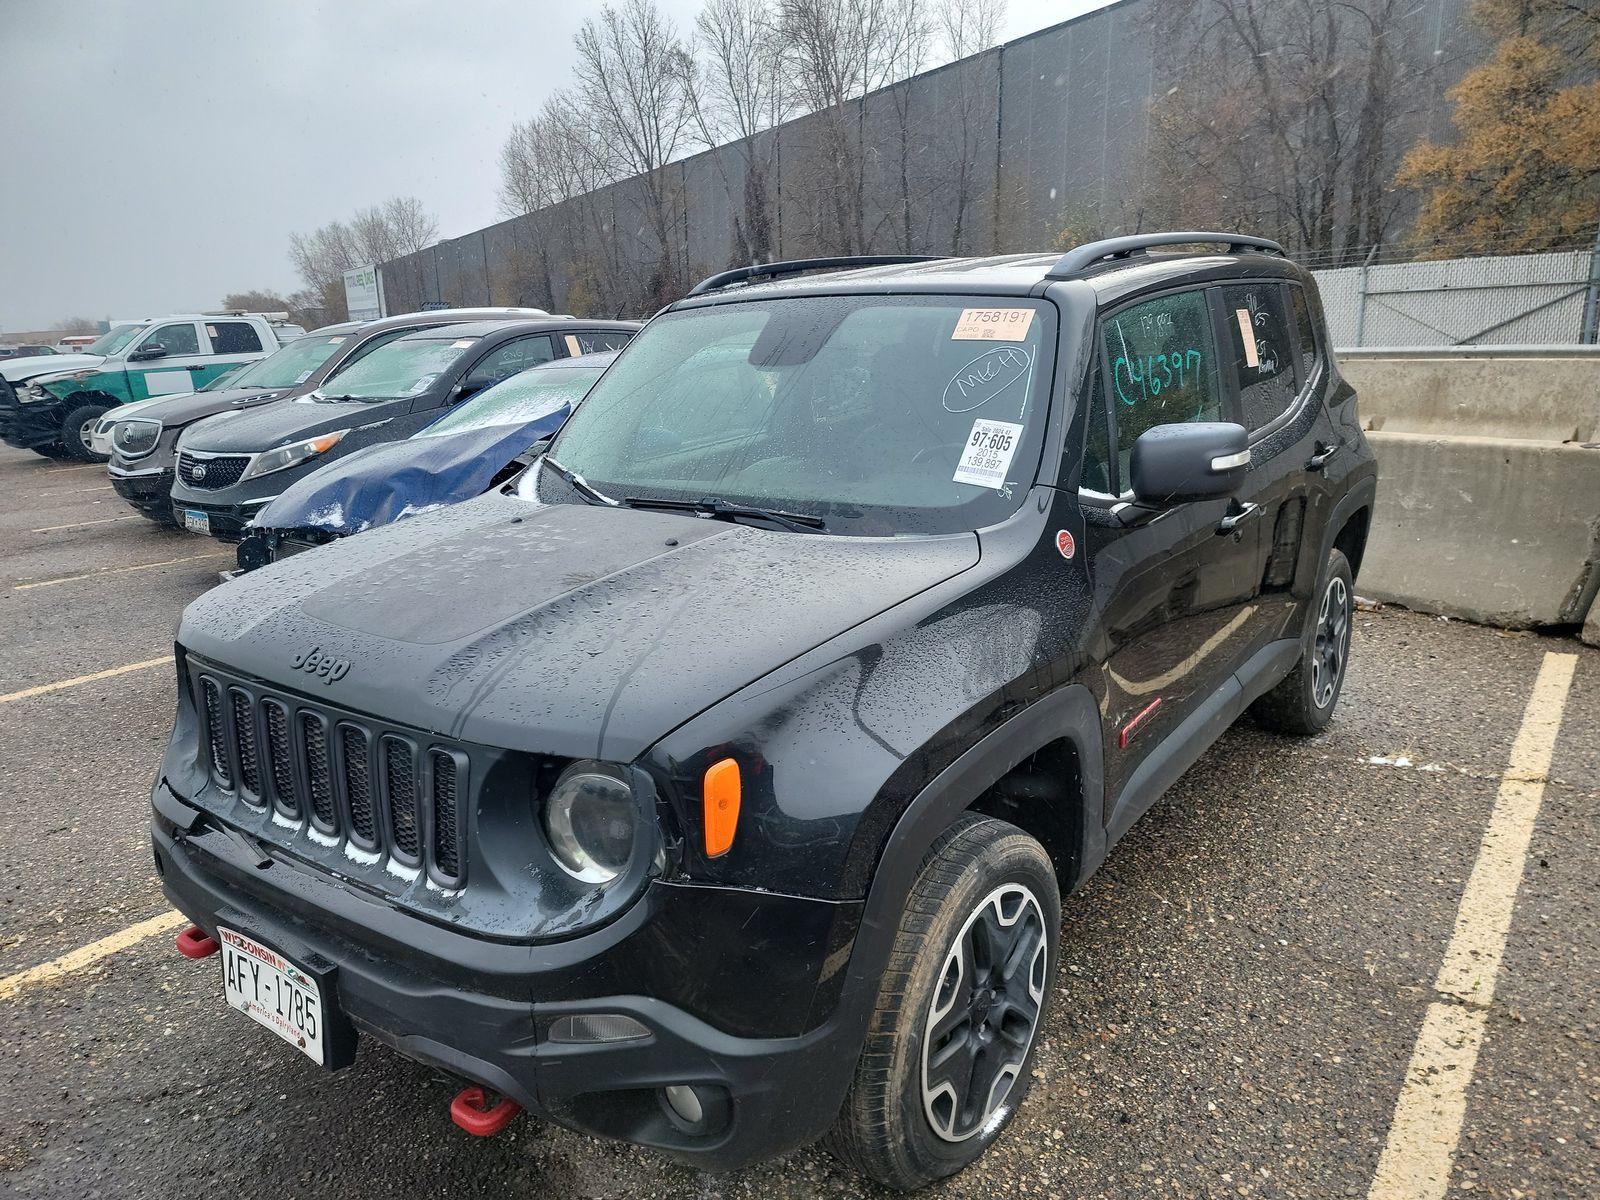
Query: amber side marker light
[[722, 806]]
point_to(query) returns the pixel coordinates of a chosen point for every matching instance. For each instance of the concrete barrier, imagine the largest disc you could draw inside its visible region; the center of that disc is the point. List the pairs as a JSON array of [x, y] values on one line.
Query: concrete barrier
[[1489, 485]]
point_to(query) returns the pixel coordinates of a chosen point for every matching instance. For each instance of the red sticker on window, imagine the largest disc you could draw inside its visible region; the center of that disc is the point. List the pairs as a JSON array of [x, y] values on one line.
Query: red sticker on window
[[1065, 544]]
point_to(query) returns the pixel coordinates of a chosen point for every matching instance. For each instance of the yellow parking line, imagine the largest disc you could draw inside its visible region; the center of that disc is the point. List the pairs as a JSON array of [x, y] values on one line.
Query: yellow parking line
[[71, 491], [1421, 1148], [43, 688], [85, 467], [39, 583], [81, 524], [87, 956]]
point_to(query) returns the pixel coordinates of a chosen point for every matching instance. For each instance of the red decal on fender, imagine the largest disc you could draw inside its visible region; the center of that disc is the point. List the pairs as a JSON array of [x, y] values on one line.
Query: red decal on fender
[[1065, 544], [1138, 722]]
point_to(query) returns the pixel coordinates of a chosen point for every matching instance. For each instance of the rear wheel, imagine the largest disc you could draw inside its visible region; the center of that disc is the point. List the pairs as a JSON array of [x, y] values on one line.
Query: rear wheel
[[53, 450], [1303, 702], [77, 428], [949, 1051]]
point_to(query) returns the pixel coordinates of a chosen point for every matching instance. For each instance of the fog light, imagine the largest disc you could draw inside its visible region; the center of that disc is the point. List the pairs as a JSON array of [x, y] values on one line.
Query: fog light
[[685, 1101], [597, 1027]]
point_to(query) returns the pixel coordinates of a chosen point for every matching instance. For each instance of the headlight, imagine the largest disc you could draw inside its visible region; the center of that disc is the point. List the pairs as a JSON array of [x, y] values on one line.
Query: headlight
[[33, 394], [290, 456], [592, 820]]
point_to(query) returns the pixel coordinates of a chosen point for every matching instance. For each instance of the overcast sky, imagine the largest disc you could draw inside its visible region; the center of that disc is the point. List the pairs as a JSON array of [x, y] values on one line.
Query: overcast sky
[[158, 155]]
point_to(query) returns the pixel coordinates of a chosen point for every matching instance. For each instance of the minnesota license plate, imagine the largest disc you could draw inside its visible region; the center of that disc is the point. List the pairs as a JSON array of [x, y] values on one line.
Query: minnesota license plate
[[272, 991], [195, 521]]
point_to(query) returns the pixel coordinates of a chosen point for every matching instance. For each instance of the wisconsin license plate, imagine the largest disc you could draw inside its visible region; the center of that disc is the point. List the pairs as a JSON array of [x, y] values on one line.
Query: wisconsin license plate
[[272, 991], [195, 521]]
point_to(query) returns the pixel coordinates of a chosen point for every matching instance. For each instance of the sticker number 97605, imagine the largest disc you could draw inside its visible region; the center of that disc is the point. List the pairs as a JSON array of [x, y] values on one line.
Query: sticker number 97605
[[986, 457]]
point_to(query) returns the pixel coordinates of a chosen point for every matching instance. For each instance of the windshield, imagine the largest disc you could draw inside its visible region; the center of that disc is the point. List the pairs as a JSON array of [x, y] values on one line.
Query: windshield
[[879, 414], [228, 379], [519, 400], [399, 369], [290, 366], [110, 343]]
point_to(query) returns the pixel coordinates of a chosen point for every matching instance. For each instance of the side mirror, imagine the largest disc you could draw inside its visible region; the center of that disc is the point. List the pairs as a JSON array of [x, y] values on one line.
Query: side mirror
[[1198, 460], [144, 353], [468, 387]]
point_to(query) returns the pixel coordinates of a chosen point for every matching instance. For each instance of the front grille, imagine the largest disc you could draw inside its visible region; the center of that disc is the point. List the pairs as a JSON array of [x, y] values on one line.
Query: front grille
[[219, 472], [135, 438], [337, 776]]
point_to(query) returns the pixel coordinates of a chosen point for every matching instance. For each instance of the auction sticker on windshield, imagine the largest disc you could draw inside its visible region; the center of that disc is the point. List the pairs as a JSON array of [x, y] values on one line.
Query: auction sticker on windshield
[[272, 991], [993, 325], [988, 453]]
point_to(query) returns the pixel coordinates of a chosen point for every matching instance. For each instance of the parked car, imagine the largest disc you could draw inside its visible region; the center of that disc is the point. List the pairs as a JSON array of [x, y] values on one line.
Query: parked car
[[51, 402], [145, 453], [477, 445], [100, 444], [716, 787], [231, 465], [73, 343], [25, 351]]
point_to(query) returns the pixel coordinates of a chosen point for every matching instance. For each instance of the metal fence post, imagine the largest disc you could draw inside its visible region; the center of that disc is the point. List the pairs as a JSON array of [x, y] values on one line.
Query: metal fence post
[[1361, 306], [1591, 301]]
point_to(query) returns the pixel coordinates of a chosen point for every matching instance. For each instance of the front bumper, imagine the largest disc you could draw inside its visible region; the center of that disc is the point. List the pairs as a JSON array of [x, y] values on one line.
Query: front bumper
[[482, 1009], [227, 520], [148, 491], [29, 426]]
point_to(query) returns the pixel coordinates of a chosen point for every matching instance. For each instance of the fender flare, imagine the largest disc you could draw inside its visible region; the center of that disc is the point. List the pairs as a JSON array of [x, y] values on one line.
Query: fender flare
[[1069, 712]]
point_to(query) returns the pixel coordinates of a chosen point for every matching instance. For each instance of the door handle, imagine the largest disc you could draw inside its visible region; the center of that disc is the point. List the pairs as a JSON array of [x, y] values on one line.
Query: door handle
[[1319, 460], [195, 367], [1238, 514]]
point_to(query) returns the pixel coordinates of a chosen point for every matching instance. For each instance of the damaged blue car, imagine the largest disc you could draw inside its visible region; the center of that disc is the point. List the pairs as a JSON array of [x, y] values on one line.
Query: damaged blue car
[[475, 447]]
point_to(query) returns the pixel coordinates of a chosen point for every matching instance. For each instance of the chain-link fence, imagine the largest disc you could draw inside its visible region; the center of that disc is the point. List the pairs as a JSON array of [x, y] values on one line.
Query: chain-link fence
[[1514, 299]]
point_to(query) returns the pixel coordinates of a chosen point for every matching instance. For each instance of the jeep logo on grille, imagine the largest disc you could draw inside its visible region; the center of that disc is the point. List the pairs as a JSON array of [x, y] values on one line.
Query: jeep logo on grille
[[324, 666], [197, 472]]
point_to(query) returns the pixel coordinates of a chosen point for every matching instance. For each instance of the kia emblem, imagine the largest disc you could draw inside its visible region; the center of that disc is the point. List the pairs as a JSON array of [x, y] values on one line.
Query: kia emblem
[[197, 472]]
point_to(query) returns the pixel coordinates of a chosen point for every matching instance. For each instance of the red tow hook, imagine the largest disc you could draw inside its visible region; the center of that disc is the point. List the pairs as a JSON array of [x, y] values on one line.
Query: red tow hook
[[194, 942], [478, 1115]]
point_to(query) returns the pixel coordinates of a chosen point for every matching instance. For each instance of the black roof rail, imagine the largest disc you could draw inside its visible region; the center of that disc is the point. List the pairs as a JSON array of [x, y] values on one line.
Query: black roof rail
[[761, 270], [1086, 255]]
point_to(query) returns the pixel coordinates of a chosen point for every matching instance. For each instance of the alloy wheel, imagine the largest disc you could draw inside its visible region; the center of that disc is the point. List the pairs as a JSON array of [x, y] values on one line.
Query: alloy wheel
[[1333, 642], [984, 1013]]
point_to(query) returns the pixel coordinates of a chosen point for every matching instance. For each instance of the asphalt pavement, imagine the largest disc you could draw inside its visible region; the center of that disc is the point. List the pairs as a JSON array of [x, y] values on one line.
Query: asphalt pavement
[[1243, 987]]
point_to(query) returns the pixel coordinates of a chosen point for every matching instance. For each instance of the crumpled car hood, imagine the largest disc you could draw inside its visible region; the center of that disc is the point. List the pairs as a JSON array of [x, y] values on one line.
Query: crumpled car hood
[[15, 369], [383, 483]]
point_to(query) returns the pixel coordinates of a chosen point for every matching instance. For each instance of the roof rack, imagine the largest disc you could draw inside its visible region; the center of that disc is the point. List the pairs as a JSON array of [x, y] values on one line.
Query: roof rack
[[764, 270], [1090, 253]]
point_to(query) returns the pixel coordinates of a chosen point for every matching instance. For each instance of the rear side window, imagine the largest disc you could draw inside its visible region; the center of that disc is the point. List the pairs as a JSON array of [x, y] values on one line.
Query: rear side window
[[505, 361], [1258, 338], [597, 340], [233, 337], [1161, 356], [1305, 329]]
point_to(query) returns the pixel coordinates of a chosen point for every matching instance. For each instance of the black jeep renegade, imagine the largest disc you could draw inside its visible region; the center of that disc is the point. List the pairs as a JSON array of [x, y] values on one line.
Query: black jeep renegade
[[715, 784]]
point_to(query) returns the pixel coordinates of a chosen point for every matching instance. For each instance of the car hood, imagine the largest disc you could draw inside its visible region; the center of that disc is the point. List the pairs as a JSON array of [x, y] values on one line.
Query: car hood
[[383, 483], [15, 369], [250, 430], [572, 630], [177, 411]]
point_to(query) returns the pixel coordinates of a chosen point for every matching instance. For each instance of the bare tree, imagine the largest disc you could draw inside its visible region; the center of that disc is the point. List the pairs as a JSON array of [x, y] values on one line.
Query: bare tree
[[740, 89], [1283, 116], [839, 51], [965, 28], [76, 326], [633, 79], [393, 229]]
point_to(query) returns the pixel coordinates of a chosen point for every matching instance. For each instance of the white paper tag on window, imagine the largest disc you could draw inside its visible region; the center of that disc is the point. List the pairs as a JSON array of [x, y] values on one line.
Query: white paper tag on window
[[462, 343], [993, 325], [988, 453], [1248, 333]]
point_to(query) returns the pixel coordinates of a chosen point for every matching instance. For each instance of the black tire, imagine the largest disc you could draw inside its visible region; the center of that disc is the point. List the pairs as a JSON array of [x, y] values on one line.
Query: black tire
[[944, 995], [1303, 701], [53, 450], [75, 429]]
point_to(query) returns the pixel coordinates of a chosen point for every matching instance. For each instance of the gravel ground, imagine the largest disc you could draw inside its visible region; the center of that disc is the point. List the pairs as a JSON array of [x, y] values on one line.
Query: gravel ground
[[1242, 983]]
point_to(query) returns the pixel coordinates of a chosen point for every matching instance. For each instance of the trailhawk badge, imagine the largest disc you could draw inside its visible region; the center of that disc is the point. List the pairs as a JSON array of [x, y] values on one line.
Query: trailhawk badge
[[324, 666]]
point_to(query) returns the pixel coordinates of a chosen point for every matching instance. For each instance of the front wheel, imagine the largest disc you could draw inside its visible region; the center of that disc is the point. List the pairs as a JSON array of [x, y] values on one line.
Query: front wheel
[[949, 1051], [77, 429], [1303, 702]]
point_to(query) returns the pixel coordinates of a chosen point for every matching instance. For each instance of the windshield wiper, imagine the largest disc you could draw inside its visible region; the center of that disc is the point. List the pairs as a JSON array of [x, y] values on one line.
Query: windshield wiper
[[716, 506], [579, 483]]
